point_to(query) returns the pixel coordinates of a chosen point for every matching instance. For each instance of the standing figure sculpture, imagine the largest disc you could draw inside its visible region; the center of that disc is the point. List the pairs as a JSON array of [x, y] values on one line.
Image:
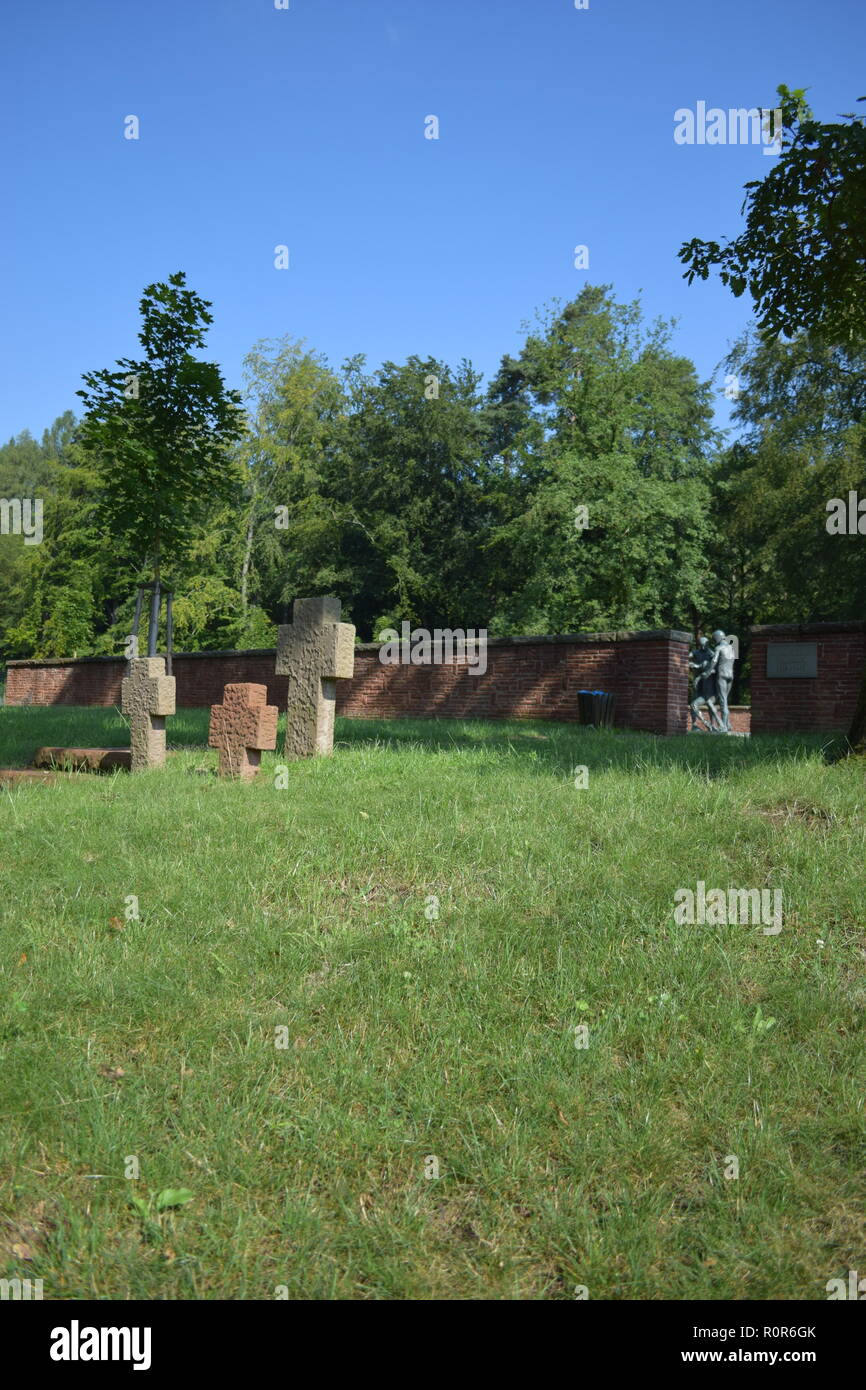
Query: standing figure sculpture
[[704, 691], [722, 669]]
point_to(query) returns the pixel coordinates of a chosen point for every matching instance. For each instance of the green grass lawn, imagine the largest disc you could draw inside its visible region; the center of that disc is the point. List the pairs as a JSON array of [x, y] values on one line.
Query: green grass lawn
[[307, 915]]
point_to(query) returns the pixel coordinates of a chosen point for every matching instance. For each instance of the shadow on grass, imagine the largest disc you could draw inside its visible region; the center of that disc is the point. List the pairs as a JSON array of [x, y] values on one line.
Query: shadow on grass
[[546, 744], [540, 744], [24, 728]]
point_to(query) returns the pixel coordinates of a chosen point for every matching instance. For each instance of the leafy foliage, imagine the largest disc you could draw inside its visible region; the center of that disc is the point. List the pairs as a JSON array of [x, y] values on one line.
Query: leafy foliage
[[158, 429], [413, 494], [619, 426], [802, 255]]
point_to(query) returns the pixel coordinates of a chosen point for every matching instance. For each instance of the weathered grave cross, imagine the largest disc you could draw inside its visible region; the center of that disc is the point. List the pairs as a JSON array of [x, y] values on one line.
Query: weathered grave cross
[[241, 727], [147, 697], [315, 651]]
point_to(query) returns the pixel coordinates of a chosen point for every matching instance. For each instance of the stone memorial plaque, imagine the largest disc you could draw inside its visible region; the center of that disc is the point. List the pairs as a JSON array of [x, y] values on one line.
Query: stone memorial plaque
[[792, 659]]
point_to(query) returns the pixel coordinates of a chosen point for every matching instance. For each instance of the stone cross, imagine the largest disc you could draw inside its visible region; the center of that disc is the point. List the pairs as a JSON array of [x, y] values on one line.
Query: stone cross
[[147, 697], [315, 651], [241, 727]]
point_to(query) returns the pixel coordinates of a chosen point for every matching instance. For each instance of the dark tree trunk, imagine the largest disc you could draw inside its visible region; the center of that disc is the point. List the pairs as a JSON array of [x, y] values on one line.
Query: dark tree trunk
[[153, 625], [857, 732], [739, 674]]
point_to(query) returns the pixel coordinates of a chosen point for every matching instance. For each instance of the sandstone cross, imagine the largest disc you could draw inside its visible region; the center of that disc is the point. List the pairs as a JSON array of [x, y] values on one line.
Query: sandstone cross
[[241, 727], [147, 697], [315, 651]]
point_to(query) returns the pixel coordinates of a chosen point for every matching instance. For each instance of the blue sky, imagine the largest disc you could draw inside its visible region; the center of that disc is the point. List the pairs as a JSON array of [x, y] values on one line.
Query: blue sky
[[305, 127]]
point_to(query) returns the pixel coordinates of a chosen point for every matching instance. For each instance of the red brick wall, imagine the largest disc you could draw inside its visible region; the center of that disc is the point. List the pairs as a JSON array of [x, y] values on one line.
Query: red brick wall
[[802, 704], [653, 679], [532, 678]]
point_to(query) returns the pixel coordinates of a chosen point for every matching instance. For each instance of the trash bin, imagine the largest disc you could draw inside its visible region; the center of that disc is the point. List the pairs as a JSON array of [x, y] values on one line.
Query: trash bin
[[604, 703], [584, 706], [596, 708]]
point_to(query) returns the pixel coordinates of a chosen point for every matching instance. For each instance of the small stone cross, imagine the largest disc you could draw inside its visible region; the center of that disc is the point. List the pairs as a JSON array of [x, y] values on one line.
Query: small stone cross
[[241, 727], [315, 650], [147, 697]]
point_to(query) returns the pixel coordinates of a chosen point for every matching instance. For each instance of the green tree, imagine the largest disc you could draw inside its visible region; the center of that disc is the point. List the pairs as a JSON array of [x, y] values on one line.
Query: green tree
[[54, 598], [295, 402], [802, 255], [801, 411], [404, 498], [66, 595], [159, 431], [613, 525], [25, 471]]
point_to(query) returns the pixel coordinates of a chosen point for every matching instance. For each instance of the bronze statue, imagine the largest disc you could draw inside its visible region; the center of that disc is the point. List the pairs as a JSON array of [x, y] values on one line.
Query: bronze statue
[[722, 670], [704, 689]]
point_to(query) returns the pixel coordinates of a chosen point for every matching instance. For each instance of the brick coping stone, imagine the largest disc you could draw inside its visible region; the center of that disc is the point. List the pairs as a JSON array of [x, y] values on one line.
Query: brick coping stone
[[547, 639]]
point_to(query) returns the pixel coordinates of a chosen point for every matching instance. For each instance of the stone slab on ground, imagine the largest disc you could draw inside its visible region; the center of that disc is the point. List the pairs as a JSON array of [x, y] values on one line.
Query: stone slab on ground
[[12, 776], [84, 759]]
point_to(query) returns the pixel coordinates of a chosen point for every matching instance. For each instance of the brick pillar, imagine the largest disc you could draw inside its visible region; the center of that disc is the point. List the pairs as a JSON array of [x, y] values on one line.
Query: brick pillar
[[653, 680]]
